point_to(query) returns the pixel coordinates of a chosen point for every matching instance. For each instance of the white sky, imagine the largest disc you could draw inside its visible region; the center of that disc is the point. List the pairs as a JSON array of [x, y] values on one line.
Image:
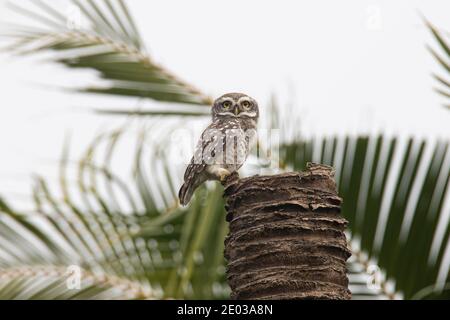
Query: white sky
[[349, 66]]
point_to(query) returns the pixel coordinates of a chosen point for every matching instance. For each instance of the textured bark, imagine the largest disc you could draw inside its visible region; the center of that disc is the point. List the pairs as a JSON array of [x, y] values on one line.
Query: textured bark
[[286, 237]]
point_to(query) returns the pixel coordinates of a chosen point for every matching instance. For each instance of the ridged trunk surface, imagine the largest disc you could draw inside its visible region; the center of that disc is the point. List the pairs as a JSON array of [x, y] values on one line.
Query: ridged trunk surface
[[286, 237]]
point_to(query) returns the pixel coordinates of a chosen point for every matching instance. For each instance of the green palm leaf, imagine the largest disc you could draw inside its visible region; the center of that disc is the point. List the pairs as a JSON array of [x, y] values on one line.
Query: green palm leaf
[[109, 43], [141, 247], [443, 60], [394, 191], [50, 283]]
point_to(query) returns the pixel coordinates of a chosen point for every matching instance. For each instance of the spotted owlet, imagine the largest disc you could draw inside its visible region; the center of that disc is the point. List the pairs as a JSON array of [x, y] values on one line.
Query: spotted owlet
[[224, 145]]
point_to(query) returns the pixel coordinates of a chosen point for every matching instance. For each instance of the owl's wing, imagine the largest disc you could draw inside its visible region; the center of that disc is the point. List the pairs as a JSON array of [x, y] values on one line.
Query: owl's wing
[[193, 177], [201, 158], [195, 171]]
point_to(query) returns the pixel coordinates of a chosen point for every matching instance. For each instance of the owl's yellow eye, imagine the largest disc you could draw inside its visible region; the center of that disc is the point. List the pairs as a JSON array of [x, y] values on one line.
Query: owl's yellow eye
[[246, 104], [226, 104]]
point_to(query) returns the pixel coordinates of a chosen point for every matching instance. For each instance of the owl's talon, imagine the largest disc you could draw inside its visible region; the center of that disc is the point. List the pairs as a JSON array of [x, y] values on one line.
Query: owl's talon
[[223, 175]]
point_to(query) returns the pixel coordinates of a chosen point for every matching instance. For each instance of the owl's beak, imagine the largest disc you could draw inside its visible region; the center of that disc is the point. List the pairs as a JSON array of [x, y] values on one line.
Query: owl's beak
[[236, 111]]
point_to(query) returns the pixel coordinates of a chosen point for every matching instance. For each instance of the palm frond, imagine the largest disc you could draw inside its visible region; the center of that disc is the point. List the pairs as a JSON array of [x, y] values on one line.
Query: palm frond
[[394, 193], [51, 283], [443, 60], [125, 112], [108, 42], [142, 246]]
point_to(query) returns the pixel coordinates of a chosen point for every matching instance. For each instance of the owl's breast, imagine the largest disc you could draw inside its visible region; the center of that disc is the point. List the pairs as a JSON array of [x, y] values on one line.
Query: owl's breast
[[230, 143]]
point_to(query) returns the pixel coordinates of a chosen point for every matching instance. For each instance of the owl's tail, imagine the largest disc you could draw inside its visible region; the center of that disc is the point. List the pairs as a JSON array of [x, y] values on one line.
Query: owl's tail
[[185, 193]]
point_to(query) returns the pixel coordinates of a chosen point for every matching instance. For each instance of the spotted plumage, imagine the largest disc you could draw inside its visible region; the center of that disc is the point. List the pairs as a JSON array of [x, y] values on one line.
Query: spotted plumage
[[224, 145]]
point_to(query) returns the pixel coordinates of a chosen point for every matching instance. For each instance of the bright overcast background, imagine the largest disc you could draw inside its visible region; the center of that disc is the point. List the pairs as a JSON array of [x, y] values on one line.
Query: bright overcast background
[[347, 66]]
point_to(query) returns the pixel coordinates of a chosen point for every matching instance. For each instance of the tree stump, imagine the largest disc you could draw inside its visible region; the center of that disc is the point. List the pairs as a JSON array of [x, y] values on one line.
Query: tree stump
[[286, 238]]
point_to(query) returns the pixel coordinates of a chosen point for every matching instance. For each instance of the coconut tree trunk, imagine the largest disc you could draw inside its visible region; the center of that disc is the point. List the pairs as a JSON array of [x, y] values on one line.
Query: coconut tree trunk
[[286, 238]]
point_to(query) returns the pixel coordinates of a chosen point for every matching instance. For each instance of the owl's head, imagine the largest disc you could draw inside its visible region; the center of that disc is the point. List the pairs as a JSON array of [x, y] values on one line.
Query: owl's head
[[237, 105]]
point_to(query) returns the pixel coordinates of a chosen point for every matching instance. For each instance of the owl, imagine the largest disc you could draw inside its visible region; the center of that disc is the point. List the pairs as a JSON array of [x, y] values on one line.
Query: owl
[[224, 145]]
